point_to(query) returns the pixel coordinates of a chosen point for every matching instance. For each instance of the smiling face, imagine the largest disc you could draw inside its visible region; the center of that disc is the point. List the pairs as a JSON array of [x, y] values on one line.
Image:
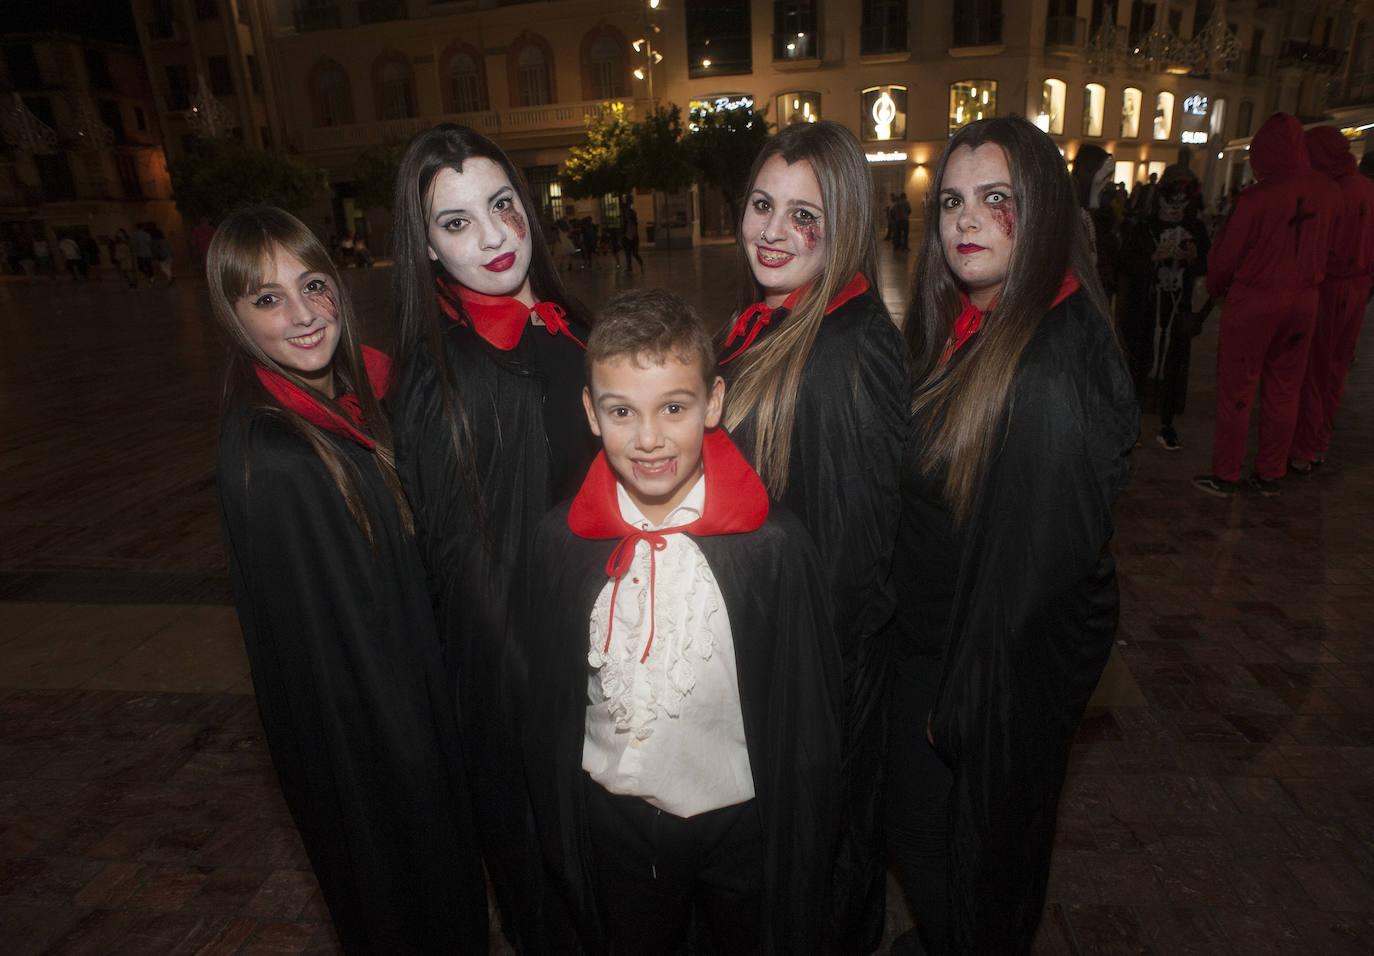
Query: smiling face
[[784, 228], [651, 414], [293, 316], [978, 220], [477, 230]]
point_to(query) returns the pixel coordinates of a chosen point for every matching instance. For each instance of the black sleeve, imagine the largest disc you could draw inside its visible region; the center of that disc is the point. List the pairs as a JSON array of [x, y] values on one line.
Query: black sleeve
[[1032, 622], [350, 685]]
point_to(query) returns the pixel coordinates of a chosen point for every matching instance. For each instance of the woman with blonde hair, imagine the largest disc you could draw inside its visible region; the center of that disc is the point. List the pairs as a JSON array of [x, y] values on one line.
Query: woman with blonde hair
[[818, 403], [330, 592], [1022, 424]]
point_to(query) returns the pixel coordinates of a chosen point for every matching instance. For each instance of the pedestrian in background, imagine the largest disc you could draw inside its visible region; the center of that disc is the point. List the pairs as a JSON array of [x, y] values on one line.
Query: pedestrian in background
[[1268, 260]]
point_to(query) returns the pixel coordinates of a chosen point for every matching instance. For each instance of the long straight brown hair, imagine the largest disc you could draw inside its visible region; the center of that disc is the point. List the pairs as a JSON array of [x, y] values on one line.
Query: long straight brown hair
[[962, 401], [767, 377], [244, 242], [420, 325]]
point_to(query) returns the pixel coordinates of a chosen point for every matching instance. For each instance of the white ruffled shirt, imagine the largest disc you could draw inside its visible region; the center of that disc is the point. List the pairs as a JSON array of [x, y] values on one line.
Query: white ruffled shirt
[[668, 730]]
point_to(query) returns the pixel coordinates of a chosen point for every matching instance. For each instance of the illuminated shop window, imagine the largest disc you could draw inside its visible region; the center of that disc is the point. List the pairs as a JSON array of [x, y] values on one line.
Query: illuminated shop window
[[882, 114], [1195, 121], [971, 100], [799, 106], [1051, 115], [1130, 113], [1094, 103], [1164, 115]]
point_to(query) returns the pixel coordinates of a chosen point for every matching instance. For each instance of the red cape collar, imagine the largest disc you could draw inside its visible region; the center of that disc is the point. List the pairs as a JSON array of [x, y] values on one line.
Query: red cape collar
[[499, 320], [970, 319], [735, 502], [735, 497], [753, 319], [350, 423]]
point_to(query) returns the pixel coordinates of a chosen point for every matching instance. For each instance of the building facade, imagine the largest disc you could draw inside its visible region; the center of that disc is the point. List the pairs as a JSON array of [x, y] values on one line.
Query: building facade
[[1149, 82], [81, 152]]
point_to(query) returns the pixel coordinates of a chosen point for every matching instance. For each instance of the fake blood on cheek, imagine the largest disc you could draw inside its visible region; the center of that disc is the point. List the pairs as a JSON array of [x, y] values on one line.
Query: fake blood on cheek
[[810, 235], [1004, 214], [325, 301], [514, 221]]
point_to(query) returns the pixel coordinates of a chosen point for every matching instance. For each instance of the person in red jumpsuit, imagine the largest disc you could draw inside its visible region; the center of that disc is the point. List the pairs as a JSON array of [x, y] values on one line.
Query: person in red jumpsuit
[[1268, 260], [1343, 296]]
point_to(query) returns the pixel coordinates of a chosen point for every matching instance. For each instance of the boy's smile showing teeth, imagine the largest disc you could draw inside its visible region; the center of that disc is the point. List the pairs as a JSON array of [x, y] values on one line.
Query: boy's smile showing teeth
[[651, 414]]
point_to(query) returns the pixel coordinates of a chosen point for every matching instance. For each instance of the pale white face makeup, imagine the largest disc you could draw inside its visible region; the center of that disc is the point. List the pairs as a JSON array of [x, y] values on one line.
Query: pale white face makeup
[[478, 231], [293, 316]]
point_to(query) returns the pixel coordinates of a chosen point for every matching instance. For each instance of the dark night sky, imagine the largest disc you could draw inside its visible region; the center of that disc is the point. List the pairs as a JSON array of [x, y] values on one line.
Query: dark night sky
[[108, 19]]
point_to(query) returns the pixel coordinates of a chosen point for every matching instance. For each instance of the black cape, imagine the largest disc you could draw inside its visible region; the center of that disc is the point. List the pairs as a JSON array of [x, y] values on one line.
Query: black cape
[[530, 445], [352, 692], [844, 485], [789, 684], [1020, 606]]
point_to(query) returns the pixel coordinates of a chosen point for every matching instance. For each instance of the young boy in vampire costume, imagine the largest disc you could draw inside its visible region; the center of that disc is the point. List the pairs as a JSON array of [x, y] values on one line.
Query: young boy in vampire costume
[[684, 749]]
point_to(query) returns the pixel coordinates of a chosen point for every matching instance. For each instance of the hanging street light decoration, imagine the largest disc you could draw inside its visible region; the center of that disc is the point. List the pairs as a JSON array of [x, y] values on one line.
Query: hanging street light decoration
[[207, 116], [87, 130], [1106, 50], [1160, 51], [24, 130], [1215, 48]]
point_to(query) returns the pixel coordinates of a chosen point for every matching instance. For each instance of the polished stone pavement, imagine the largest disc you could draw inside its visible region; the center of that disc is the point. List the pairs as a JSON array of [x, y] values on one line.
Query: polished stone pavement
[[1221, 795]]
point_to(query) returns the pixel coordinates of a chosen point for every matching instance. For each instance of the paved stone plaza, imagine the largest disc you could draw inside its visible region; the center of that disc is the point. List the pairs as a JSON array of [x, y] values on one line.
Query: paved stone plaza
[[1220, 799]]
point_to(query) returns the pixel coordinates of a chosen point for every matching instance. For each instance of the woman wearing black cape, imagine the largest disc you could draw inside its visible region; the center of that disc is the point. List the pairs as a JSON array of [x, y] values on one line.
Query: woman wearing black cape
[[1023, 422], [490, 433], [330, 593]]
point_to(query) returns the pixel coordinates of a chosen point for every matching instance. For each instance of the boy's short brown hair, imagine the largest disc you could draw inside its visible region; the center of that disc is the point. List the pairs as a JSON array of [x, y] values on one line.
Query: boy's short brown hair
[[653, 323]]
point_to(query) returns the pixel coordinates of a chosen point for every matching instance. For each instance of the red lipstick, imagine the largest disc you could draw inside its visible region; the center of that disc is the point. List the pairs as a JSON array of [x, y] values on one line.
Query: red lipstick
[[968, 248], [500, 263]]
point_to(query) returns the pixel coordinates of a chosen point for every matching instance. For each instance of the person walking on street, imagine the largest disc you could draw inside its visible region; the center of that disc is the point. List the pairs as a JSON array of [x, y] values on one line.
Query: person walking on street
[[1268, 261], [629, 240]]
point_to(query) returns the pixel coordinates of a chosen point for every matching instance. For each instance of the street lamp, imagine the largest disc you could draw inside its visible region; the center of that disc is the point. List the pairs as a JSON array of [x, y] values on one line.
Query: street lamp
[[645, 45]]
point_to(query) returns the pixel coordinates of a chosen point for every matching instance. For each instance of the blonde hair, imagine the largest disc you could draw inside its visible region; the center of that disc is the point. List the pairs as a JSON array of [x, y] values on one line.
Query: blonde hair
[[244, 242], [767, 377]]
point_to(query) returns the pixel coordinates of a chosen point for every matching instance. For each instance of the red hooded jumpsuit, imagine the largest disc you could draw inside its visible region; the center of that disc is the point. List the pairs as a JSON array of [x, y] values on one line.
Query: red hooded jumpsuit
[[1344, 292], [1268, 260]]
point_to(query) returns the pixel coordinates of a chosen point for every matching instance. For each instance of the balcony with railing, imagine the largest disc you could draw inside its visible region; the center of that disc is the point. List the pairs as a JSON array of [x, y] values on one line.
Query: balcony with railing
[[565, 118], [1310, 56], [379, 11], [317, 15]]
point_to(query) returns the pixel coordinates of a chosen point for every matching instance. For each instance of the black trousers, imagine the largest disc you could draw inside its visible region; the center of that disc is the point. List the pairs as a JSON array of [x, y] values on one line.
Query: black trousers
[[654, 871]]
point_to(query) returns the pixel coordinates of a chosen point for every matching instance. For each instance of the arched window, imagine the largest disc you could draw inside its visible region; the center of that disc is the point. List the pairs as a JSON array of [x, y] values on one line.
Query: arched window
[[1094, 103], [531, 80], [333, 95], [395, 89], [1217, 123], [1164, 115], [1130, 113], [799, 106], [604, 66], [465, 85], [1051, 115], [971, 100]]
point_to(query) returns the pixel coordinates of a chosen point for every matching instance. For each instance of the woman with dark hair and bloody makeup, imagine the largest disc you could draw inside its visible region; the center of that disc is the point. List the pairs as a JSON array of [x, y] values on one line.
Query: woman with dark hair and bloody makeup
[[490, 433], [818, 404], [330, 592], [1023, 420]]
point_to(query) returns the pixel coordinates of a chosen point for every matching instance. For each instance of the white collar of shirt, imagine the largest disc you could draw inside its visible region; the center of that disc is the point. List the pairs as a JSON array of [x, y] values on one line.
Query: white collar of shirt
[[692, 508]]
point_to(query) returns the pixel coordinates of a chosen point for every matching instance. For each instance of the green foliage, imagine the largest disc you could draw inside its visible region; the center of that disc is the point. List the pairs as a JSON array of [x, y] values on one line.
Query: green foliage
[[374, 174], [597, 167], [723, 148], [218, 176], [656, 159]]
